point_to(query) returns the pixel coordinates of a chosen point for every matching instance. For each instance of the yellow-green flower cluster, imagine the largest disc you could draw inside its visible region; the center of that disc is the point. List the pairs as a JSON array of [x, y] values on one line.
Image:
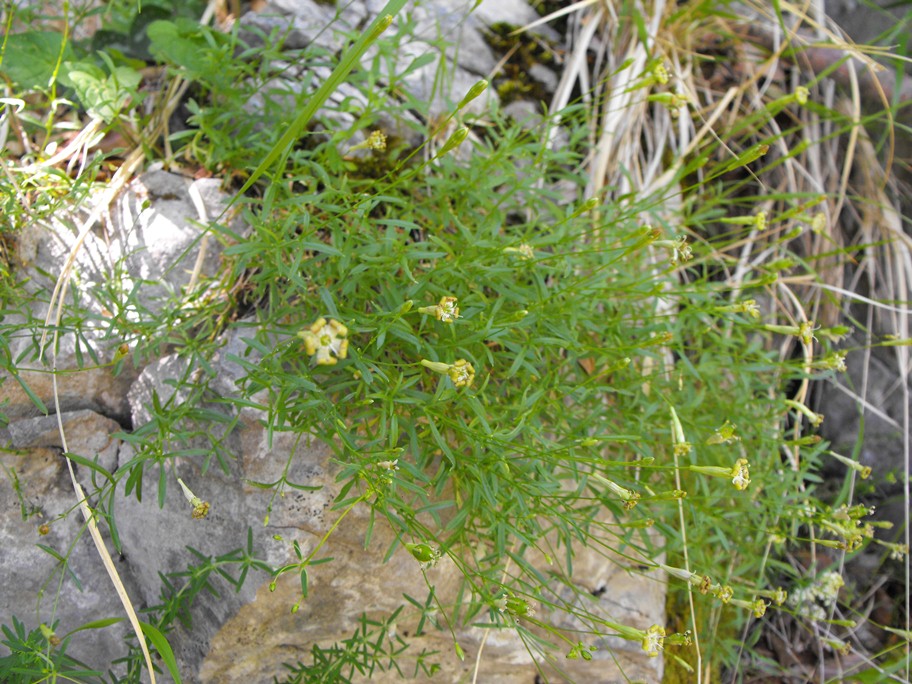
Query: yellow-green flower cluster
[[660, 73], [819, 223], [681, 252], [375, 141]]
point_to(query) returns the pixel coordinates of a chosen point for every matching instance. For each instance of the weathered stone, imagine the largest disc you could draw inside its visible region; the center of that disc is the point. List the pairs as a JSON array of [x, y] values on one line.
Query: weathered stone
[[81, 383], [87, 433], [149, 251], [36, 588]]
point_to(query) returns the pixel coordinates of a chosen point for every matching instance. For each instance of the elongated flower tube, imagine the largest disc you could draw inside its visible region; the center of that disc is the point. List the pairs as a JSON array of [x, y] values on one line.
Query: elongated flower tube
[[629, 497], [758, 607], [804, 331], [758, 220], [462, 373], [777, 595], [835, 361], [739, 473], [200, 507], [747, 306], [814, 418], [445, 311], [679, 443], [652, 639], [524, 251], [863, 470]]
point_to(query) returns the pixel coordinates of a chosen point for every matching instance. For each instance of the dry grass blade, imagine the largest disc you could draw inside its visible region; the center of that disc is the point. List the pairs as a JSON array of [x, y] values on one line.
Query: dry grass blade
[[639, 148], [120, 179]]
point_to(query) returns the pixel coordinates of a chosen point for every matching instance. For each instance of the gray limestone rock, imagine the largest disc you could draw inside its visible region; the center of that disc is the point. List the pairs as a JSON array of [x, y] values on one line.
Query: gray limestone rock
[[139, 262], [37, 586]]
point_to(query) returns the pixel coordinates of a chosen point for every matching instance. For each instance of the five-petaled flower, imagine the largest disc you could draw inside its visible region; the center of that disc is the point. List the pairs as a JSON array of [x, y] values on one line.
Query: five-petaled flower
[[462, 373], [741, 474], [654, 640], [446, 310], [327, 340]]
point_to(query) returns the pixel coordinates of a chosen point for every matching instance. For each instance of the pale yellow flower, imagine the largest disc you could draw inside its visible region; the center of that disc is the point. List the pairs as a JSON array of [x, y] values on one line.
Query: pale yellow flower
[[326, 340], [446, 310], [741, 474], [654, 640]]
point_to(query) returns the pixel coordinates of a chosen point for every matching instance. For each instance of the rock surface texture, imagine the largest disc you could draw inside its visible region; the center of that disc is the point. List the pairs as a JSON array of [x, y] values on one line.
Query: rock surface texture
[[152, 245]]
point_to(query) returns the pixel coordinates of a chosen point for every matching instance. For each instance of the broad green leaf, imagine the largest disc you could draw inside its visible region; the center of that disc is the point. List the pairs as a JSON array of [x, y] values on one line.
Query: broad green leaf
[[31, 59]]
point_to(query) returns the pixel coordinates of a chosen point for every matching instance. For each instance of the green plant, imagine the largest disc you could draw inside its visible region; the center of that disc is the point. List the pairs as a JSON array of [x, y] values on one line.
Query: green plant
[[39, 655], [515, 359]]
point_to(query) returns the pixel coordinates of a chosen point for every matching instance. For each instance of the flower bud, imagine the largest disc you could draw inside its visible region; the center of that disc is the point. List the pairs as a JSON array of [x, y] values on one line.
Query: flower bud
[[474, 92]]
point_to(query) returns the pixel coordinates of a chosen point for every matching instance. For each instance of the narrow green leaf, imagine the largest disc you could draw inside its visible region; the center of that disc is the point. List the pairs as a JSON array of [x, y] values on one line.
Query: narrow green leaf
[[164, 649], [337, 77]]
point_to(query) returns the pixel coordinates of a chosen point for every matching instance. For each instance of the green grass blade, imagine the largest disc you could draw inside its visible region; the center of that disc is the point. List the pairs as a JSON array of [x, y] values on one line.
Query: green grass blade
[[347, 63]]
